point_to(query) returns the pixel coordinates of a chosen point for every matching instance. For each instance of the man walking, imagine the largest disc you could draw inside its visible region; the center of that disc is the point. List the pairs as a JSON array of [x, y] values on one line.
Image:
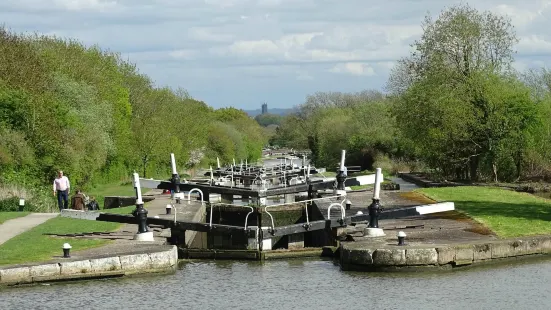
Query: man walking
[[61, 189]]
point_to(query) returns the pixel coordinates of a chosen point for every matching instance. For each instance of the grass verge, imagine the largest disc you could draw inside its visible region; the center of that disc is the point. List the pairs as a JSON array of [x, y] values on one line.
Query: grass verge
[[327, 174], [505, 212], [4, 216], [34, 245], [122, 210]]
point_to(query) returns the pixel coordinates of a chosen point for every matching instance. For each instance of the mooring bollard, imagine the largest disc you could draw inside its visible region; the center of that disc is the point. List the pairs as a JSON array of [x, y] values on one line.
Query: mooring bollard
[[341, 176], [66, 249], [375, 207], [175, 179], [348, 204], [401, 238], [140, 212], [168, 209]]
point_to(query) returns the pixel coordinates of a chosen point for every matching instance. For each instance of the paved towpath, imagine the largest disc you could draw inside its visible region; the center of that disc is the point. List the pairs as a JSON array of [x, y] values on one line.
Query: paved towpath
[[14, 227]]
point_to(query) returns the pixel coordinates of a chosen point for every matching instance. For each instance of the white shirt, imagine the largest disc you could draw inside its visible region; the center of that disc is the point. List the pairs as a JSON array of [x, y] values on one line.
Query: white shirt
[[61, 184]]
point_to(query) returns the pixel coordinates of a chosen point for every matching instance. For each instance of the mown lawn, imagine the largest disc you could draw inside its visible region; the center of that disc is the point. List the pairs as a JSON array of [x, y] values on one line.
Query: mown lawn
[[507, 213], [34, 245], [4, 216], [122, 210]]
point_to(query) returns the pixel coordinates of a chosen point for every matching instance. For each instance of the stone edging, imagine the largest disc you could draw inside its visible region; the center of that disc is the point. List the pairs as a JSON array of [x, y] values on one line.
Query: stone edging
[[120, 265], [356, 257]]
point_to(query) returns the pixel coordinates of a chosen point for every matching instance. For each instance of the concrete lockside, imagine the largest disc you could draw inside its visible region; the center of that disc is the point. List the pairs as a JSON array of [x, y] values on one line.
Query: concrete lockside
[[164, 260], [356, 256]]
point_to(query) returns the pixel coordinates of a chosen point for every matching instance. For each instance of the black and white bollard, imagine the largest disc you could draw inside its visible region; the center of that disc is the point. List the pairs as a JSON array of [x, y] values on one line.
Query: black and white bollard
[[168, 209], [175, 180], [401, 238], [66, 250], [348, 204], [141, 214], [375, 209], [341, 177]]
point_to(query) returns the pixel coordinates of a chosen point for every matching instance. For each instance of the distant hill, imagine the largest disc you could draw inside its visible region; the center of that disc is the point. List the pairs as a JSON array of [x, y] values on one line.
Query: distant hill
[[277, 111]]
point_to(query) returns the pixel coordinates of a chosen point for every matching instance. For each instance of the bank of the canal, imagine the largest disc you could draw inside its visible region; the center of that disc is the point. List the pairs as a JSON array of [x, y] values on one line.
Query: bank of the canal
[[131, 260], [386, 254]]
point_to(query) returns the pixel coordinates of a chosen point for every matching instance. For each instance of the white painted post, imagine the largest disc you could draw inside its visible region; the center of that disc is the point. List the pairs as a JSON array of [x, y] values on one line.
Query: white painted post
[[173, 162], [211, 176], [138, 189], [378, 180], [342, 159], [234, 161], [308, 172], [218, 162]]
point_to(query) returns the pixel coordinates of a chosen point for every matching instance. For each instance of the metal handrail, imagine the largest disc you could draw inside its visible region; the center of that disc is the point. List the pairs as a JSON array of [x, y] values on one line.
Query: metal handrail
[[290, 203], [227, 204], [307, 219], [247, 217], [332, 205], [195, 190]]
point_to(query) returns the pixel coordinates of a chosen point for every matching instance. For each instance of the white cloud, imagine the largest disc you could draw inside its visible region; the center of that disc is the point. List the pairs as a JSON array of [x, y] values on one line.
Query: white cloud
[[209, 35], [525, 14], [534, 44], [79, 5], [353, 68], [183, 54]]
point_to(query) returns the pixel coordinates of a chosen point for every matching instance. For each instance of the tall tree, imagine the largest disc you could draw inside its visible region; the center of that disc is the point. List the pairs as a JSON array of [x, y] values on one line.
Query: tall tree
[[446, 103]]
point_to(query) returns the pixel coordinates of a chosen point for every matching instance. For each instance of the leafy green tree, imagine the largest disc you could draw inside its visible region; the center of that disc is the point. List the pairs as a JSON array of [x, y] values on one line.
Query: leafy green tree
[[446, 90], [267, 119]]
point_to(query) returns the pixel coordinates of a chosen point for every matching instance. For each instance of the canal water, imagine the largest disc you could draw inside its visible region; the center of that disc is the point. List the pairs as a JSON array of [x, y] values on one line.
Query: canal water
[[298, 284]]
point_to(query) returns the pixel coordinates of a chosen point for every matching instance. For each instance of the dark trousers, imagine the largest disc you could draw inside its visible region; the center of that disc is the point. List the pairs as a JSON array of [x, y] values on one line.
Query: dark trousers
[[62, 200]]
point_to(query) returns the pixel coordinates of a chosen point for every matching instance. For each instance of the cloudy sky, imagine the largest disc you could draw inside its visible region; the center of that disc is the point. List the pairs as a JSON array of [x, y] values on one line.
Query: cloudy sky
[[244, 52]]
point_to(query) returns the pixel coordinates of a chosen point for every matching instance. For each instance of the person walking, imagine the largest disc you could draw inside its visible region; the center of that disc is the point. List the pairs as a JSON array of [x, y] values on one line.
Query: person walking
[[61, 189]]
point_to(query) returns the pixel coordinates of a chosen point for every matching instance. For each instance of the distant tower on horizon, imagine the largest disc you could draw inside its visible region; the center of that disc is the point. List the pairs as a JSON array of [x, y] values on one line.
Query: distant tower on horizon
[[264, 108]]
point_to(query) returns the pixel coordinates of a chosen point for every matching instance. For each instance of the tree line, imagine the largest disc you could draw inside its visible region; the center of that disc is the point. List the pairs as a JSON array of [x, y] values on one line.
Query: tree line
[[92, 114], [455, 107]]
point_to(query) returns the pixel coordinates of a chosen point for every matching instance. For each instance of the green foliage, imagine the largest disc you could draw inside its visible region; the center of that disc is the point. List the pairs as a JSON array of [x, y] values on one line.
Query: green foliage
[[96, 117], [267, 119], [330, 122], [456, 102]]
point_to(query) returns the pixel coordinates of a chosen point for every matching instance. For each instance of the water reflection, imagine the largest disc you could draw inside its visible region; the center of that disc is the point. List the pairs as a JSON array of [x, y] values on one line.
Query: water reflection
[[297, 284]]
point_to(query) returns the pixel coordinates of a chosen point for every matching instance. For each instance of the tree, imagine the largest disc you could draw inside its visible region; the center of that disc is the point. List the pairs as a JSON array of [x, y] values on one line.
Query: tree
[[267, 119], [462, 41], [445, 100]]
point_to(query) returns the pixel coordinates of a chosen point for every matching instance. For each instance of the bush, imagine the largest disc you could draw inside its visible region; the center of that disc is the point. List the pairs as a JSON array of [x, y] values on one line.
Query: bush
[[36, 200], [383, 162]]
